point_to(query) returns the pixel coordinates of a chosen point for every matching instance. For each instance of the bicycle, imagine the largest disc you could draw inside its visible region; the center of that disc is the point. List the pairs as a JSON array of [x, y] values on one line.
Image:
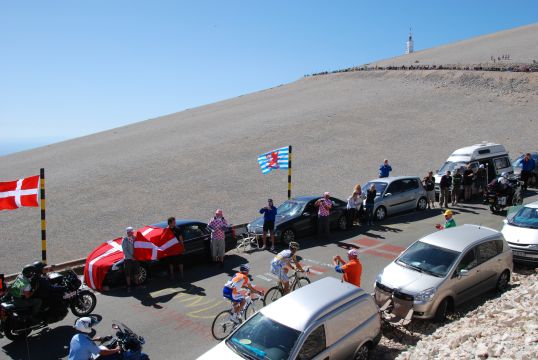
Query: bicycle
[[247, 240], [276, 292], [223, 325]]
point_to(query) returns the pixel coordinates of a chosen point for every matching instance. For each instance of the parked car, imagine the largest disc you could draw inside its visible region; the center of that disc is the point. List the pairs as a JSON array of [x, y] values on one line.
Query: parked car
[[397, 194], [521, 232], [105, 268], [493, 156], [298, 217], [327, 319], [446, 268], [533, 180]]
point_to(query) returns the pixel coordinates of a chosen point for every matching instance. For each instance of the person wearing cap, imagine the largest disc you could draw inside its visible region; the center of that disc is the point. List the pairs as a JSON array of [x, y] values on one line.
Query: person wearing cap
[[351, 270], [385, 169], [269, 215], [129, 262], [232, 291], [176, 260], [218, 225], [324, 206], [82, 347], [449, 221]]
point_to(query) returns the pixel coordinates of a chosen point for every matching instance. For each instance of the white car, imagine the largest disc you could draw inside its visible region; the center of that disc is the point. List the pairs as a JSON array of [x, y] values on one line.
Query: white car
[[521, 232]]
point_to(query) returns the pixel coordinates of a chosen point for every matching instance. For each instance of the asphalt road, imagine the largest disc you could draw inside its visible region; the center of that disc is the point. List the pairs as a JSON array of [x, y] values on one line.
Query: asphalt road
[[175, 318]]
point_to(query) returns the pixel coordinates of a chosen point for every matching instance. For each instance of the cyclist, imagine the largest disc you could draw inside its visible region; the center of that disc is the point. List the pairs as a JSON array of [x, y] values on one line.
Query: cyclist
[[351, 270], [281, 264], [232, 292]]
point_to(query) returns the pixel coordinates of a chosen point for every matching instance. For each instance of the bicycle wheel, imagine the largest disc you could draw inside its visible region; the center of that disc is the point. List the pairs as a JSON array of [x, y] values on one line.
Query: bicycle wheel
[[272, 295], [222, 325], [300, 282], [254, 306]]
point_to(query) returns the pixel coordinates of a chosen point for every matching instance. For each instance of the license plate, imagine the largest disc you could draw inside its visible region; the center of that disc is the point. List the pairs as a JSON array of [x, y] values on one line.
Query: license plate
[[502, 200], [492, 201], [518, 253], [69, 295]]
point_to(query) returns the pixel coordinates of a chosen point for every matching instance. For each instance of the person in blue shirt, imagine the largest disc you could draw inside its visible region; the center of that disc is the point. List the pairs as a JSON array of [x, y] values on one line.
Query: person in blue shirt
[[82, 347], [527, 166], [385, 169], [269, 216]]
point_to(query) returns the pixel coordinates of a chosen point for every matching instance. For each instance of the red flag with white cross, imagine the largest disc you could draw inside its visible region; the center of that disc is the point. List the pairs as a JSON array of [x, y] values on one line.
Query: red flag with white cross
[[17, 193]]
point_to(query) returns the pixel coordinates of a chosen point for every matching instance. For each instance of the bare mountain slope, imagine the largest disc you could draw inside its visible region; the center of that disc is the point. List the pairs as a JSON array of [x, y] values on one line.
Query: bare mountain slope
[[189, 163], [520, 43]]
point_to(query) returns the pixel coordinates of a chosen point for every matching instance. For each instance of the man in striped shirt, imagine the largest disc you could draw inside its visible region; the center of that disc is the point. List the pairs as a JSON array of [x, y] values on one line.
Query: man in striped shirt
[[324, 206]]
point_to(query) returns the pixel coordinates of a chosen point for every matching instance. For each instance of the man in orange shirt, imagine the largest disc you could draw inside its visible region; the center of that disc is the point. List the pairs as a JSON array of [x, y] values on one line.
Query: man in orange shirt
[[232, 290], [352, 270]]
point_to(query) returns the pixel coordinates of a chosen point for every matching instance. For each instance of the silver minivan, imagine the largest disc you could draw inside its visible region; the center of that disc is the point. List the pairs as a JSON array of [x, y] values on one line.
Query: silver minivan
[[328, 319], [447, 268]]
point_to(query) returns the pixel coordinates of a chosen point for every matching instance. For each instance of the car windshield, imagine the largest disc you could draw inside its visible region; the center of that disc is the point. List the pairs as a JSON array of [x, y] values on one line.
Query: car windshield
[[263, 338], [525, 217], [429, 259], [451, 166], [379, 187], [517, 162], [290, 208]]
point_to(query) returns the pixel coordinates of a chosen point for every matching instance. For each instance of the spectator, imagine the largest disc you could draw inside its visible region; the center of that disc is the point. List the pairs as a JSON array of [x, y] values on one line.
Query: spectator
[[353, 204], [129, 263], [176, 260], [481, 180], [527, 166], [83, 347], [468, 176], [444, 185], [449, 221], [429, 185], [369, 203], [324, 209], [385, 169], [218, 226], [352, 270], [457, 179], [269, 215], [23, 291]]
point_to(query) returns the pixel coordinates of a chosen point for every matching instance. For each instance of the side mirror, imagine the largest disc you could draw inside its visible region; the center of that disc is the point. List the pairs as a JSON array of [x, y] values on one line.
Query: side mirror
[[463, 272], [388, 194]]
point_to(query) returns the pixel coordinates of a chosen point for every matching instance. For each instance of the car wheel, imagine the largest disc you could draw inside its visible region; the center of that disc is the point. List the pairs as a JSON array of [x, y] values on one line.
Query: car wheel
[[502, 282], [442, 310], [288, 236], [380, 213], [363, 353], [422, 204], [141, 276], [342, 223]]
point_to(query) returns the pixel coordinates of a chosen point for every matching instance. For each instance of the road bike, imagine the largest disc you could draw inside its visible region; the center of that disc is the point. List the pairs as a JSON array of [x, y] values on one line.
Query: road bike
[[223, 325], [296, 281]]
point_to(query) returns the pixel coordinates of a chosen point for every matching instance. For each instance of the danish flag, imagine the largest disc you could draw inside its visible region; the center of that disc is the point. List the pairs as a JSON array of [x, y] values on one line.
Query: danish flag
[[17, 193]]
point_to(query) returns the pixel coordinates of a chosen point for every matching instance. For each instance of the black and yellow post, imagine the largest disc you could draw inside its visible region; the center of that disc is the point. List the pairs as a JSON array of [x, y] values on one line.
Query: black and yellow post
[[289, 174], [43, 220]]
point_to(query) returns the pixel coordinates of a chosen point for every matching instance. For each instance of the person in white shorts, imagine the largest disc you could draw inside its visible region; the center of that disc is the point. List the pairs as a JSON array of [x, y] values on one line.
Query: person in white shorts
[[281, 264]]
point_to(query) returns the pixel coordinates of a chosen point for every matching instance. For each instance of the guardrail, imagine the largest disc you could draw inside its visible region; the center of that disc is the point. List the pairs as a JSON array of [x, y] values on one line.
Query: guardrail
[[79, 263]]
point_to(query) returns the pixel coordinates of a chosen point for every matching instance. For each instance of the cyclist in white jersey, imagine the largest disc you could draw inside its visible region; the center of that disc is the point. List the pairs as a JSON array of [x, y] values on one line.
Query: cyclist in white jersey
[[282, 263]]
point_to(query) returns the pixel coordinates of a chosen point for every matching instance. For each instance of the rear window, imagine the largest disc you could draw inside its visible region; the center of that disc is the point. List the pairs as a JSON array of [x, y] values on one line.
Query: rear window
[[501, 163]]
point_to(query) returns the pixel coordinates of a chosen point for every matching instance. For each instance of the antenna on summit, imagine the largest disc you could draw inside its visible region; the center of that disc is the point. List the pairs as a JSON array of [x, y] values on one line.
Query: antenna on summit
[[410, 46]]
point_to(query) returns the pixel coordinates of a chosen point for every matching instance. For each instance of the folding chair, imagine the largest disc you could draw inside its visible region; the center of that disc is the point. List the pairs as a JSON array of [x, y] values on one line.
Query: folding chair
[[401, 314]]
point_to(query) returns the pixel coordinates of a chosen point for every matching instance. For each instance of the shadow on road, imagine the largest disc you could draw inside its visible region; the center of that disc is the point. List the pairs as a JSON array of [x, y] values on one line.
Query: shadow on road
[[49, 343]]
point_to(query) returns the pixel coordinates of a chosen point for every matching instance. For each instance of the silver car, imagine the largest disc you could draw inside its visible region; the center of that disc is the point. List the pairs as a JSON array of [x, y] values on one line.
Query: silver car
[[447, 268], [396, 194], [328, 319], [521, 232]]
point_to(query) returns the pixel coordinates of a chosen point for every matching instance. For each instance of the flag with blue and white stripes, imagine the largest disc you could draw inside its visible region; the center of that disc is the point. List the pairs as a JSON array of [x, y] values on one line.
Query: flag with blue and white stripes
[[276, 159]]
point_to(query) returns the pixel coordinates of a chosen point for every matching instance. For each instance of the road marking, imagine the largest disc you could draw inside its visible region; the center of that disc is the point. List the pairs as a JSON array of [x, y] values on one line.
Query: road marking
[[366, 241], [380, 254], [264, 278], [391, 248], [319, 263]]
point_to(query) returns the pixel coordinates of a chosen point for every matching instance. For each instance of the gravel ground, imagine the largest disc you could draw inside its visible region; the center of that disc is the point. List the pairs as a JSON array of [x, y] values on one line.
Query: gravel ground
[[187, 164], [498, 326]]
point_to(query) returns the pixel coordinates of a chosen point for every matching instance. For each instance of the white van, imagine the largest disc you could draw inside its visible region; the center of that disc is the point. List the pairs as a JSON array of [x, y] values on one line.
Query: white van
[[493, 156]]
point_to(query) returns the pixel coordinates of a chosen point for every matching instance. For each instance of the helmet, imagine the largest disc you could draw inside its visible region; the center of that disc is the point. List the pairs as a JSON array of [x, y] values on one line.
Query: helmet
[[294, 245], [353, 253], [38, 266], [86, 323], [244, 267], [28, 271], [448, 212], [505, 174]]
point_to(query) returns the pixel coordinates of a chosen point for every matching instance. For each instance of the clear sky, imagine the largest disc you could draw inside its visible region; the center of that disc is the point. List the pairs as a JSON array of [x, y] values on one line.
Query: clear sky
[[71, 68]]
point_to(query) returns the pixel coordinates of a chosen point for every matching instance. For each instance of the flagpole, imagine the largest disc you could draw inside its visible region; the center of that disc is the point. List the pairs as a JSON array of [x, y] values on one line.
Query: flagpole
[[43, 220], [289, 174]]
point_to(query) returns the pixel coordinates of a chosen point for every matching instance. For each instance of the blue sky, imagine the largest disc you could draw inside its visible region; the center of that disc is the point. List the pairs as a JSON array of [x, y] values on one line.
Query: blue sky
[[71, 68]]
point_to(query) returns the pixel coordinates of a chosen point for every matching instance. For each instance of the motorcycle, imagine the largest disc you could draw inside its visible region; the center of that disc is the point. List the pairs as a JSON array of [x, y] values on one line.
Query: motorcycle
[[500, 196], [58, 294], [129, 342]]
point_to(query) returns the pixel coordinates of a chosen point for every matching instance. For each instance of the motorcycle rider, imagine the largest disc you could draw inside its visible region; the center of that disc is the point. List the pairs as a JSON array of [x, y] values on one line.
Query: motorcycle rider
[[22, 290], [82, 347]]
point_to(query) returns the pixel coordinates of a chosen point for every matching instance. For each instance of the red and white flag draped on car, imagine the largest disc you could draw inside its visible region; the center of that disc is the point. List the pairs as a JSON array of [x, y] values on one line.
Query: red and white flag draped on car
[[99, 262], [17, 193], [154, 243]]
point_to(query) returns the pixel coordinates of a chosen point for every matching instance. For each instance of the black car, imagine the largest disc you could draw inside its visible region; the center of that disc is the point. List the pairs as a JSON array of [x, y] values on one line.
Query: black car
[[196, 238], [298, 217]]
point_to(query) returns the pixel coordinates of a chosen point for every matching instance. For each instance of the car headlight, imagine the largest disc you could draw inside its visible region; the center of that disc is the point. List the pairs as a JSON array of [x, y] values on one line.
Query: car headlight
[[426, 295], [533, 247]]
